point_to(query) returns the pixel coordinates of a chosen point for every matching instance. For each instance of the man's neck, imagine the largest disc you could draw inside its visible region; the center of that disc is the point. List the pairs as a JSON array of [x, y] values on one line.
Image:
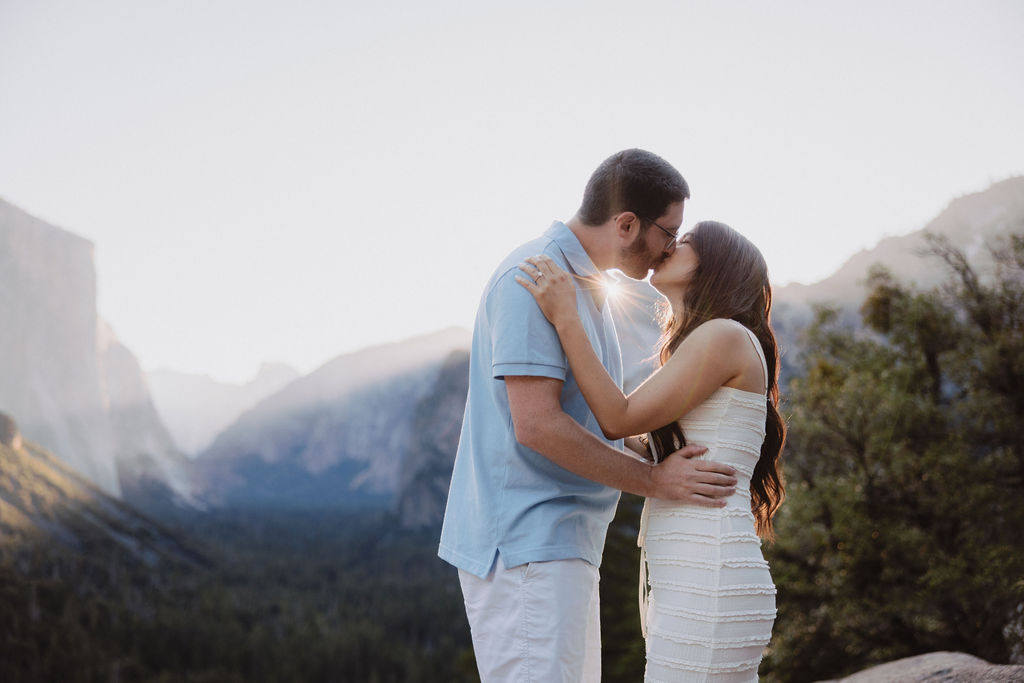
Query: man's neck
[[594, 239]]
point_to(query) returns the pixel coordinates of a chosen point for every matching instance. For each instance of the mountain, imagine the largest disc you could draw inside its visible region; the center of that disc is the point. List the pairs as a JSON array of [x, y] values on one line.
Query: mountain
[[338, 436], [436, 422], [45, 504], [151, 471], [969, 222], [76, 390], [177, 396]]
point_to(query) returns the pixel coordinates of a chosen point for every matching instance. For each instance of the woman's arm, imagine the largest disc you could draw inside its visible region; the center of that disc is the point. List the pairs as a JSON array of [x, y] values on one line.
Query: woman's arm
[[542, 425], [707, 359]]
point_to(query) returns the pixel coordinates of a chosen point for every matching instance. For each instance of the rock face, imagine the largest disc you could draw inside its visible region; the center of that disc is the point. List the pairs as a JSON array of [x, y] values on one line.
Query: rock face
[[937, 667], [436, 424], [151, 471], [72, 386], [338, 436], [43, 503], [51, 376]]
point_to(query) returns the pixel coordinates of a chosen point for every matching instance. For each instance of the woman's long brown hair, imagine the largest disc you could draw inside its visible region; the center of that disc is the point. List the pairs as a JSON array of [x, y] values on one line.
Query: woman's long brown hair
[[731, 281]]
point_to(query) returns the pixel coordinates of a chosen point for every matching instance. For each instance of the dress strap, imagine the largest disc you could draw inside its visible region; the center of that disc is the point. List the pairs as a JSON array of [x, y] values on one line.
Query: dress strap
[[760, 352], [642, 542]]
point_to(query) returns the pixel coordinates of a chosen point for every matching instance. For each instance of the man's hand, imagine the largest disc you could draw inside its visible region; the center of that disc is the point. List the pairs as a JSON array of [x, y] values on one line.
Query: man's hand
[[684, 479]]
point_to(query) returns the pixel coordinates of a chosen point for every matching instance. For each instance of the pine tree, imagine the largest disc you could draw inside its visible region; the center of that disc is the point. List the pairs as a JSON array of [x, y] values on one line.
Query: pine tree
[[901, 533]]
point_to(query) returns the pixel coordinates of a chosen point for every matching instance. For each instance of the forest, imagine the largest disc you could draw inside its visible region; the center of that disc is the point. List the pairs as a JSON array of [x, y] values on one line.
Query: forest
[[278, 595], [900, 533]]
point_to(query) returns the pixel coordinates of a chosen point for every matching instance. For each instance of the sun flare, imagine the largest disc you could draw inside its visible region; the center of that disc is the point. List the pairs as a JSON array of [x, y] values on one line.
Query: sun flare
[[612, 289]]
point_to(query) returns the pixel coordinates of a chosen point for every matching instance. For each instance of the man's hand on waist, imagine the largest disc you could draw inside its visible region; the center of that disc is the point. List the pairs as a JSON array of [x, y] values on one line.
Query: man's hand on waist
[[683, 478]]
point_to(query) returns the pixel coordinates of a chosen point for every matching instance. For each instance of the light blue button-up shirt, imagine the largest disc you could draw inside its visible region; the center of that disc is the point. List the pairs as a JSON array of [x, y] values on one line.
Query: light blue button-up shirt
[[504, 497]]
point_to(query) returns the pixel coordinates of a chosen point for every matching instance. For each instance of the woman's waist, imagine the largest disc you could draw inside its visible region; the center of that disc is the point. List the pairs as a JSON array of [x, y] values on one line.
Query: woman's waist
[[741, 459], [736, 515], [737, 506]]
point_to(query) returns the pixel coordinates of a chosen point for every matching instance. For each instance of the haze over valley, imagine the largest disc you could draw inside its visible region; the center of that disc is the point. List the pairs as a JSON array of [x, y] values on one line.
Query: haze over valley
[[350, 431]]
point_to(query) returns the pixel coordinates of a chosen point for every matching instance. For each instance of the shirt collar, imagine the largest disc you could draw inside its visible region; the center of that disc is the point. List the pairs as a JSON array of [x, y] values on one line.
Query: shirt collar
[[574, 253]]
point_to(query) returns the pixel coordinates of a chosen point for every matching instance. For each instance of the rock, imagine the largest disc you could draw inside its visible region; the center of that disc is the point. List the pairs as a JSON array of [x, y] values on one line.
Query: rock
[[9, 435], [937, 667]]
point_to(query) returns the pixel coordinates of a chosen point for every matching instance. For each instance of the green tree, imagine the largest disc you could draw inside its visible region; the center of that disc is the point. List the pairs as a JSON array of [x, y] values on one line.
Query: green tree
[[905, 466]]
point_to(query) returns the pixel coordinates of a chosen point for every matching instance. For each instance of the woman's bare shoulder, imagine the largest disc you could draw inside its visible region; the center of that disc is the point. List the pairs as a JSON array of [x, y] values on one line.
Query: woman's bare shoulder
[[719, 330]]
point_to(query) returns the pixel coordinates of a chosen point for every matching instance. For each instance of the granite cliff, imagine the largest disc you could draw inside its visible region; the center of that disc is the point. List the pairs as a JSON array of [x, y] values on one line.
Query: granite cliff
[[75, 390]]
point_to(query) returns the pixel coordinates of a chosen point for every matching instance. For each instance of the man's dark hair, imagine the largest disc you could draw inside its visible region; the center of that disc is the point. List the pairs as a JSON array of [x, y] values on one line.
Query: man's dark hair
[[632, 180]]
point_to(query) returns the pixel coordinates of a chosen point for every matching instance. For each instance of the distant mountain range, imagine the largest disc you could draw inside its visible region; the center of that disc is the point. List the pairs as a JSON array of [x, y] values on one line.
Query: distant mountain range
[[970, 222], [376, 428], [196, 408]]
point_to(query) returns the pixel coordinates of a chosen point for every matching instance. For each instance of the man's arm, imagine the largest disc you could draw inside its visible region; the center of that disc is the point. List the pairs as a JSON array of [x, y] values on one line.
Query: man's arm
[[542, 425]]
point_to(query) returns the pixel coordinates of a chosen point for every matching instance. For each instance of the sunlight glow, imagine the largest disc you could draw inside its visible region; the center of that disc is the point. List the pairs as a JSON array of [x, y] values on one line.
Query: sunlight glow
[[611, 288]]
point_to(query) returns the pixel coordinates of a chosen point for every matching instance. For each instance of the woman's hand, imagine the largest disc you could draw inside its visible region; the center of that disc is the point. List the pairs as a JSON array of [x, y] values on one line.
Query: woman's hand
[[552, 287]]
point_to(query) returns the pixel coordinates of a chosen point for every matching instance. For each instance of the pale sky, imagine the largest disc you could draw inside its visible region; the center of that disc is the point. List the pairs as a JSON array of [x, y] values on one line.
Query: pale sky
[[288, 181]]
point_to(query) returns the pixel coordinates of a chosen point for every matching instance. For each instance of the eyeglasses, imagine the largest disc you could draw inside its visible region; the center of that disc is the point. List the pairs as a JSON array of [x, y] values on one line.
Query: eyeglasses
[[672, 237]]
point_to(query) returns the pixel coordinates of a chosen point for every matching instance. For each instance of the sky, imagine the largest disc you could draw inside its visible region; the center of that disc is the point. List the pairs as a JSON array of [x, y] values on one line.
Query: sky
[[290, 181]]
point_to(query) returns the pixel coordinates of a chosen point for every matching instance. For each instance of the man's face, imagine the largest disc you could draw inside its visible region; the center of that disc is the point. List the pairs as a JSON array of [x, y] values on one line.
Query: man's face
[[653, 245]]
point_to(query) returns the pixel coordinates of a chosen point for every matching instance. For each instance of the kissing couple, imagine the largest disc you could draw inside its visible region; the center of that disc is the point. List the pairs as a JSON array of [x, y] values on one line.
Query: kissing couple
[[549, 440]]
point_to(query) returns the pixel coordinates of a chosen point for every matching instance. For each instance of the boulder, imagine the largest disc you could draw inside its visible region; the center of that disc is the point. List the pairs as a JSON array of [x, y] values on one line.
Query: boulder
[[937, 667]]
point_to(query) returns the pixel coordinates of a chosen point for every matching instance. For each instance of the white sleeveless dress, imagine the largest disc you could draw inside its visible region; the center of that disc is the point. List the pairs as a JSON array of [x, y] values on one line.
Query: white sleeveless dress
[[711, 606]]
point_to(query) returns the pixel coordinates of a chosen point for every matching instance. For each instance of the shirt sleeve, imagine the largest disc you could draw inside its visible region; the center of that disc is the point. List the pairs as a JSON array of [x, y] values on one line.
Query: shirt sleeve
[[523, 342]]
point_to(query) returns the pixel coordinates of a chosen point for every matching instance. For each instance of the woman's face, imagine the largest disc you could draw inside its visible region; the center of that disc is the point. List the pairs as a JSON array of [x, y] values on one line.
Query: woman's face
[[673, 275]]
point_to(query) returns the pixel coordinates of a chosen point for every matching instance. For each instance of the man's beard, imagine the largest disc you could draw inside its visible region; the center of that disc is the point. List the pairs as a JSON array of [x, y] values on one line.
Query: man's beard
[[635, 260]]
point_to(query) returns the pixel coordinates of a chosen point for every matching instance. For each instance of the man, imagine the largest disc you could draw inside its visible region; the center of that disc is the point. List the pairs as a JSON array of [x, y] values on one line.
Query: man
[[535, 484]]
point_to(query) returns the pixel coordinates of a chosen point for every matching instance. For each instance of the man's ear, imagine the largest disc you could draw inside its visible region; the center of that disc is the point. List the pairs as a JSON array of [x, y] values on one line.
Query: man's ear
[[627, 225]]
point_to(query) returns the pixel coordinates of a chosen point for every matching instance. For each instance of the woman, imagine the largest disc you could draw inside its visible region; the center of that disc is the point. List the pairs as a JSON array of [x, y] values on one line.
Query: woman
[[712, 600]]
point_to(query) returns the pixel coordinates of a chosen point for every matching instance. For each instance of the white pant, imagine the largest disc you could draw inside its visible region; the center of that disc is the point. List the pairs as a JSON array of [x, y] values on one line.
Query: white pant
[[539, 622]]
